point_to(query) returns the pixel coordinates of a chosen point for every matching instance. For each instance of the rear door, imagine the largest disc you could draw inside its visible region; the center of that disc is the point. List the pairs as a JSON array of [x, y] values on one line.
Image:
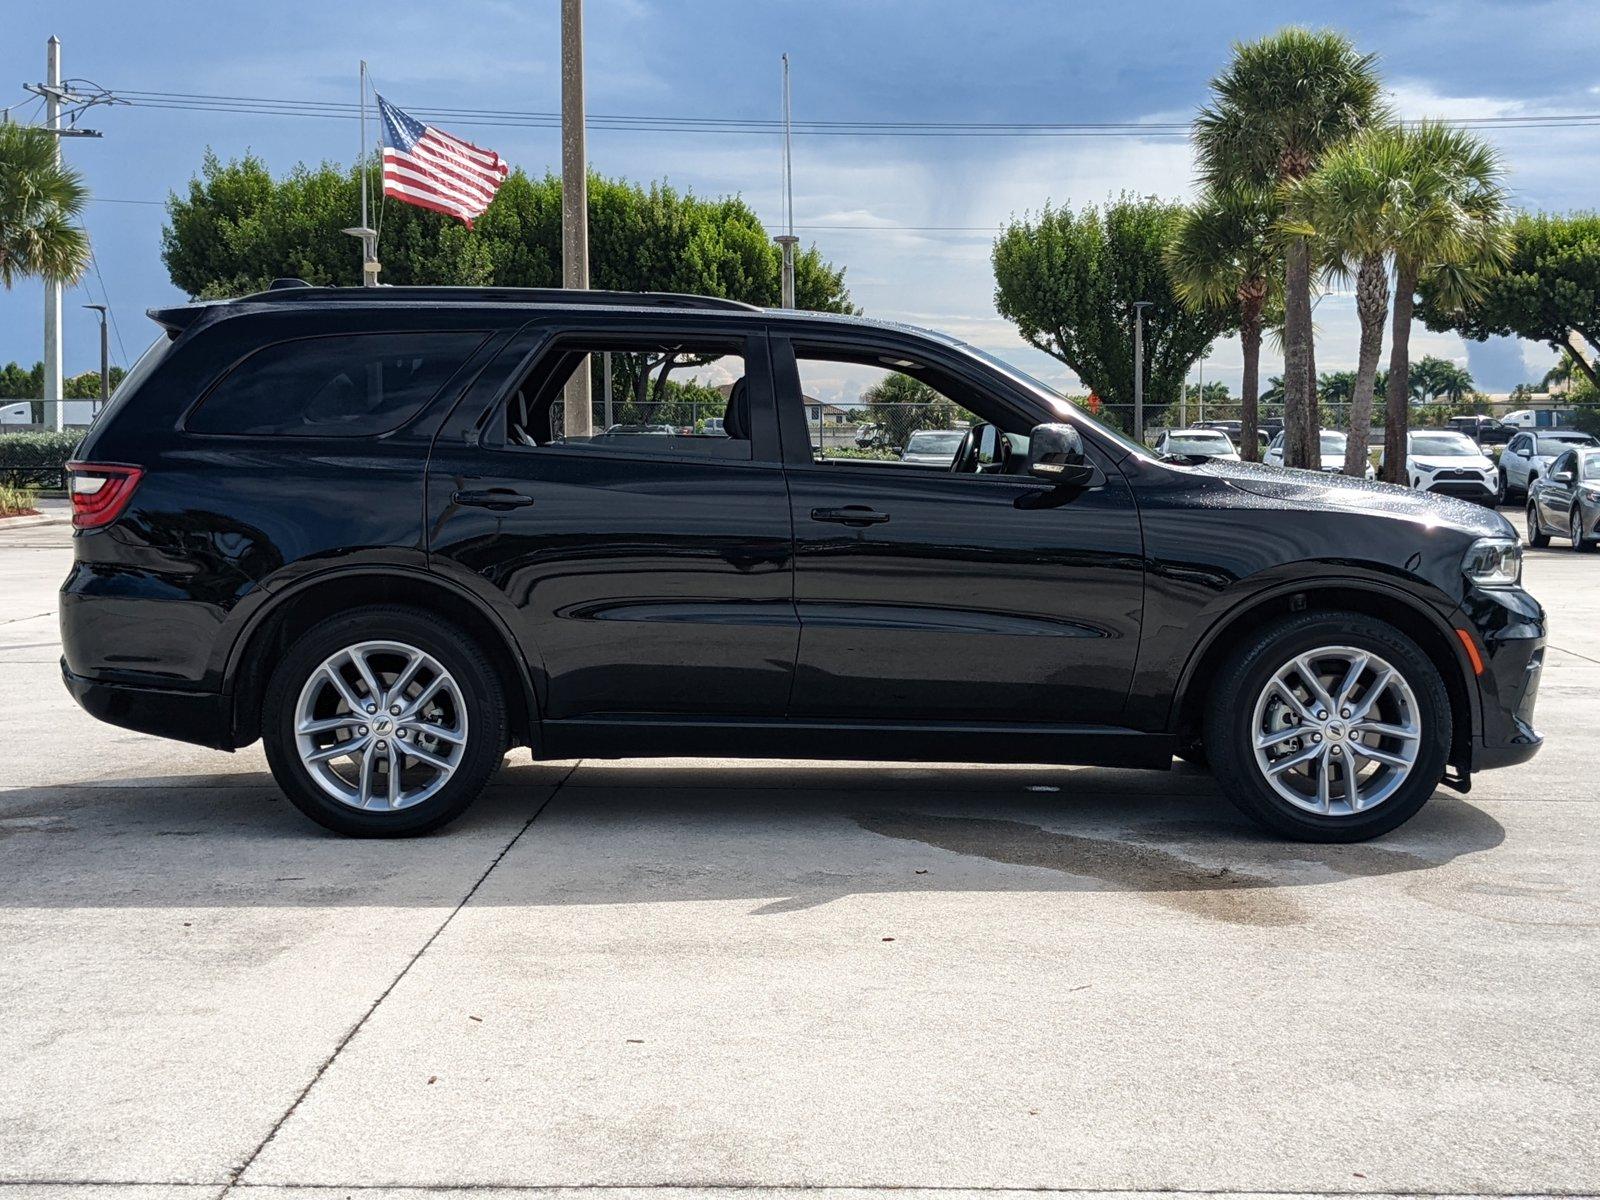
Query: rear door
[[648, 566], [1555, 495], [927, 595]]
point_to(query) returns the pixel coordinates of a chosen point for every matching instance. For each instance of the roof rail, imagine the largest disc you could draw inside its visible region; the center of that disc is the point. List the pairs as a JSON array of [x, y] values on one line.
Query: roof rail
[[284, 290]]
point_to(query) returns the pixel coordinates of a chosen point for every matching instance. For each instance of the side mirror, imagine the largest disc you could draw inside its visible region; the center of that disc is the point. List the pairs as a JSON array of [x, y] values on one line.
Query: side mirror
[[1055, 453], [1563, 477]]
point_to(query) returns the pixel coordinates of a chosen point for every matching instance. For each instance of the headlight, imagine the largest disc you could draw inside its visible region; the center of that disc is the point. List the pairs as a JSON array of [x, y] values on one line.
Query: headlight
[[1493, 562]]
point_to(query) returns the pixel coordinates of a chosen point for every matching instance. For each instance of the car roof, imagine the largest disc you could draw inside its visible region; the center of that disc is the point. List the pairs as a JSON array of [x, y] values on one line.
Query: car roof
[[296, 294]]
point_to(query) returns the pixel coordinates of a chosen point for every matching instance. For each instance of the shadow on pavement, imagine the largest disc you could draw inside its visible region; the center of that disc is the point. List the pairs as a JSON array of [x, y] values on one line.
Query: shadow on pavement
[[783, 837]]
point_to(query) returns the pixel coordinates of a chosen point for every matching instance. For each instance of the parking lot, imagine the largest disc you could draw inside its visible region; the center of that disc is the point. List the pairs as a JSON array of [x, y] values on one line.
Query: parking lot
[[718, 975]]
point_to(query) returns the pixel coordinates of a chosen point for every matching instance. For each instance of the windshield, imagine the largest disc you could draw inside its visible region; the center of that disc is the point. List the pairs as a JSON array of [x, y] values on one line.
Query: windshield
[[1198, 442], [1445, 444], [930, 441], [1556, 443], [1332, 443]]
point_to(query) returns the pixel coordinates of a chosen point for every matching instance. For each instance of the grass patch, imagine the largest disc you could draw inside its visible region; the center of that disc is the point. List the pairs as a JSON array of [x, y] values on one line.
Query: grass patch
[[17, 501]]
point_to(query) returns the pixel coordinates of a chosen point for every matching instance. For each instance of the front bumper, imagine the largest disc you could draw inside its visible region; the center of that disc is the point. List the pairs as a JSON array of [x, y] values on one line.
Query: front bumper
[[1463, 488], [1509, 626], [198, 717]]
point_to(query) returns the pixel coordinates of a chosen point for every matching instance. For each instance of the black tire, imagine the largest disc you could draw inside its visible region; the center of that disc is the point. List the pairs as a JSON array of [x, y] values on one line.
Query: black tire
[[1230, 737], [1505, 486], [1537, 537], [459, 655], [1575, 531]]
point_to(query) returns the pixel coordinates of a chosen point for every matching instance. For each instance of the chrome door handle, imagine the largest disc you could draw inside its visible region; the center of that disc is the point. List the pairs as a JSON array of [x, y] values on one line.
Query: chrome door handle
[[850, 514], [496, 498]]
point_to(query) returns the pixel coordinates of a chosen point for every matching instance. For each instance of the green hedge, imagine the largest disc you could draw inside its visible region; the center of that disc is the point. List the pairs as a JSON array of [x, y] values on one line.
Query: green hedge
[[36, 459]]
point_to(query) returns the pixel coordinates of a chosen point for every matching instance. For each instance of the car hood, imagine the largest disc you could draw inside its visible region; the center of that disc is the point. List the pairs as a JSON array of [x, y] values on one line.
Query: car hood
[[1314, 489]]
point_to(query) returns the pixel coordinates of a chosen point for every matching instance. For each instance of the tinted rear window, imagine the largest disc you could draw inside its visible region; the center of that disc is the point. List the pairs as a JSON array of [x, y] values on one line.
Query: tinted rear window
[[358, 385]]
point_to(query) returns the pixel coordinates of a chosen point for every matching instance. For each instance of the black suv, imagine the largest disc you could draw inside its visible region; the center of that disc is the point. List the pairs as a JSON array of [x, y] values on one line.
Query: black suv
[[392, 532]]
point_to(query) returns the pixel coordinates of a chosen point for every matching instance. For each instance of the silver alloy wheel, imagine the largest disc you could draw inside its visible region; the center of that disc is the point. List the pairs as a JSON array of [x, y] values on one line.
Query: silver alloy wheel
[[380, 725], [1336, 731], [1575, 531]]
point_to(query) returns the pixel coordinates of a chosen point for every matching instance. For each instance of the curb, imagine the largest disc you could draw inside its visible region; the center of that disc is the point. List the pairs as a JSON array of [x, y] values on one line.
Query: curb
[[32, 521]]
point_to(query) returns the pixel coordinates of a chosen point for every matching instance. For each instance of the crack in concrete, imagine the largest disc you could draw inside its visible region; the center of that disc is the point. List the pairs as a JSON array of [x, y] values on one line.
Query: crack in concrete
[[238, 1173]]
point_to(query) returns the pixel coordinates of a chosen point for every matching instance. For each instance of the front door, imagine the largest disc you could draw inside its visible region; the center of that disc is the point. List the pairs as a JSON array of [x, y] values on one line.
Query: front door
[[648, 561], [932, 594]]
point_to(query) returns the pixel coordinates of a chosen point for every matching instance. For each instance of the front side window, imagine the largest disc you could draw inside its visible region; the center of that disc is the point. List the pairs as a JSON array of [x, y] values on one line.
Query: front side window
[[1590, 464], [672, 396], [357, 385], [889, 409]]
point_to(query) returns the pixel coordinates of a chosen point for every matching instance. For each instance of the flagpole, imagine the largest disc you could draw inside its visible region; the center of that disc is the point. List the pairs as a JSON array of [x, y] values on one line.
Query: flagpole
[[368, 235]]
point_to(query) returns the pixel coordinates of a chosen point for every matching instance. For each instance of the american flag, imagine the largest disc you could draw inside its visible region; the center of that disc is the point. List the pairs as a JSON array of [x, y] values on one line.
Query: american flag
[[431, 169]]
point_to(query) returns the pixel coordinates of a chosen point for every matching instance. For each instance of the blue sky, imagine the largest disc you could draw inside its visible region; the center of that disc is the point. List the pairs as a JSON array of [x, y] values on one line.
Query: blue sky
[[868, 202]]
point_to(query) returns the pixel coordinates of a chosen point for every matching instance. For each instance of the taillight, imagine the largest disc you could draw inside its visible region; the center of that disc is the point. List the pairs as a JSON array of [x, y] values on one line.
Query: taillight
[[100, 491]]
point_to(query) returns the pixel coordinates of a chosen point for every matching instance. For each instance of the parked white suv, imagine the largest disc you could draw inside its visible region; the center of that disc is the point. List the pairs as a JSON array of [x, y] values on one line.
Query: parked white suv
[[1333, 443], [1451, 464], [1528, 456]]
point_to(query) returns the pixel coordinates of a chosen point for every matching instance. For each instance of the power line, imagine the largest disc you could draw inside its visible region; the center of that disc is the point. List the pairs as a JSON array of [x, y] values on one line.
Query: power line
[[110, 311], [513, 118]]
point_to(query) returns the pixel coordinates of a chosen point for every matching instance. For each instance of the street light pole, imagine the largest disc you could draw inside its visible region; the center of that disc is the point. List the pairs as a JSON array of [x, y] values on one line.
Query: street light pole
[[105, 357], [1138, 368], [579, 419], [787, 238]]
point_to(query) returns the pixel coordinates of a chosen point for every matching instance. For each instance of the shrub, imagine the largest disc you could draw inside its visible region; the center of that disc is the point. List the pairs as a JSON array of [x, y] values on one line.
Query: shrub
[[36, 459]]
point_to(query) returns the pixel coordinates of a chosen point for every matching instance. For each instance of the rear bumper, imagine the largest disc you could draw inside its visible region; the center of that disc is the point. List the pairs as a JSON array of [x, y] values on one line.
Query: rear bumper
[[197, 717]]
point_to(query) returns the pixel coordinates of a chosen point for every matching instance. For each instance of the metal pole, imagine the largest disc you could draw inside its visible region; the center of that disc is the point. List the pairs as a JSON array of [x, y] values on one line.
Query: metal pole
[[787, 239], [1201, 399], [1138, 369], [605, 367], [579, 418], [105, 357], [52, 287], [367, 235]]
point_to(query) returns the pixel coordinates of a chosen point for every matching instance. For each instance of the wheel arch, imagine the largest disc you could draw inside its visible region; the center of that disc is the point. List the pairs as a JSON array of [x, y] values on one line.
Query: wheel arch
[[291, 612], [1433, 635]]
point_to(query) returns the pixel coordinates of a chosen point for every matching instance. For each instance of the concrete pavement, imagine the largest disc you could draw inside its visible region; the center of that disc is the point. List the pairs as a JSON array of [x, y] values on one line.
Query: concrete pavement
[[747, 977]]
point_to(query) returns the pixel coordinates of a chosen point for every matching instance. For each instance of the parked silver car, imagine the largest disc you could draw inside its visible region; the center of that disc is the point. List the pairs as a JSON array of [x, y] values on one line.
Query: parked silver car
[[1332, 452], [933, 447], [1198, 445], [1566, 500], [1528, 456]]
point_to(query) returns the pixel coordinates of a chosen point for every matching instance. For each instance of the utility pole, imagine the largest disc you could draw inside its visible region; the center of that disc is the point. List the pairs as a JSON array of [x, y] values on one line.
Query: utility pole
[[55, 95], [1138, 368], [579, 417], [105, 358], [787, 238], [364, 231], [52, 287], [1201, 397]]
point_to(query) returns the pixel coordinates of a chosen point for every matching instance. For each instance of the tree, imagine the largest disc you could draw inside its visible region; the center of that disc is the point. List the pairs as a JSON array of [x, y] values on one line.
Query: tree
[[1223, 253], [1282, 103], [1274, 391], [236, 229], [1431, 199], [1069, 280], [1547, 291], [1438, 378], [40, 206], [900, 405]]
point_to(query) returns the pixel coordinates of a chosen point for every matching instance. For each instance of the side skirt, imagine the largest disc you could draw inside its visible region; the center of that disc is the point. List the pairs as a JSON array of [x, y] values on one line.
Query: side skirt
[[710, 737]]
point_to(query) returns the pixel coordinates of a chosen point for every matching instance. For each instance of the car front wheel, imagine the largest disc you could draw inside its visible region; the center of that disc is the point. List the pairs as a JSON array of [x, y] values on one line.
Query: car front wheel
[[1537, 537], [1329, 727], [1575, 531], [383, 722]]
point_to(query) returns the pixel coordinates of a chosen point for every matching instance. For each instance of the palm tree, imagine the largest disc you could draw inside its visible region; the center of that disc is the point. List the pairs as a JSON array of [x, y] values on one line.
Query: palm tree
[[1430, 199], [1283, 103], [40, 203], [1223, 254]]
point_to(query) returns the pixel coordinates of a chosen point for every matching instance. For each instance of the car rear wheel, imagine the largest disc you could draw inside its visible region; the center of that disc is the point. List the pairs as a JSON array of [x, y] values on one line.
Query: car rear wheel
[[1329, 727], [383, 722], [1536, 535]]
